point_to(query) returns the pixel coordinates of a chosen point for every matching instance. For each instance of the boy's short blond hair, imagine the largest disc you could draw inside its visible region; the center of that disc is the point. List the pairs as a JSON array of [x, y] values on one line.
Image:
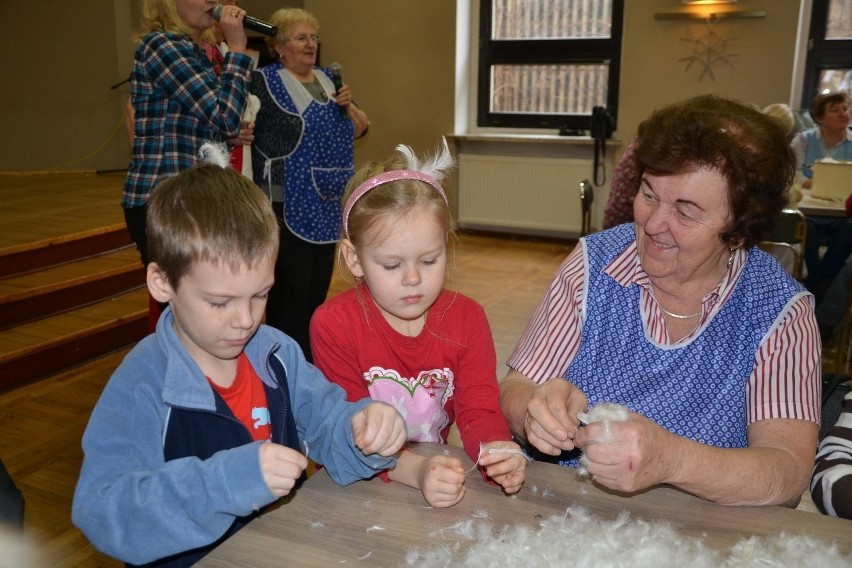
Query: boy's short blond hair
[[209, 213]]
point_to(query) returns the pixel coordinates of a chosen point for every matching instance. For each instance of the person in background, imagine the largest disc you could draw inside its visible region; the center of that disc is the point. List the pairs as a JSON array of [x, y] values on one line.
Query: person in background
[[213, 417], [709, 343], [302, 156], [216, 47], [783, 114], [830, 139], [401, 337], [831, 484], [177, 100], [625, 185]]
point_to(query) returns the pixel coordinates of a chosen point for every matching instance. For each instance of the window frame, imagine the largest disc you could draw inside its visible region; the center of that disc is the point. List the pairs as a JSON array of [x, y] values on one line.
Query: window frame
[[545, 52], [822, 53]]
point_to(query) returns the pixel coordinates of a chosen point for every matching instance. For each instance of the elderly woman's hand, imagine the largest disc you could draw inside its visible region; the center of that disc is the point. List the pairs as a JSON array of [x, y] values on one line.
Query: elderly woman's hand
[[343, 97], [628, 456], [551, 420]]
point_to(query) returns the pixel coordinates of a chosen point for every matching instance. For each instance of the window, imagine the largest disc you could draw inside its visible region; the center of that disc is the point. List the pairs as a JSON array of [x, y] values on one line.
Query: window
[[829, 61], [547, 63]]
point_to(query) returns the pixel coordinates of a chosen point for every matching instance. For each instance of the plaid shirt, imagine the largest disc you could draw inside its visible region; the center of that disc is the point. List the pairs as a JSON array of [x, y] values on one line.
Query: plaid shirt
[[180, 103]]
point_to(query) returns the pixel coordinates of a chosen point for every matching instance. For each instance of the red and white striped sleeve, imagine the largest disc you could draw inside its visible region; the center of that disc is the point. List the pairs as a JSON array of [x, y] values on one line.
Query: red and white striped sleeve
[[786, 381], [551, 339]]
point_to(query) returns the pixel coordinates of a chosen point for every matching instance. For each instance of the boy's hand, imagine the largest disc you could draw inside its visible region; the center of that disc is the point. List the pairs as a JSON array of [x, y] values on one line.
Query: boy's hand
[[507, 469], [442, 481], [281, 467], [379, 429]]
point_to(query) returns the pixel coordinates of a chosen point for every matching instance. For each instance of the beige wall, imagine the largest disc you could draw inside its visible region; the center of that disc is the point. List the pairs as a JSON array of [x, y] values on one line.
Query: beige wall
[[58, 62], [398, 57], [652, 73]]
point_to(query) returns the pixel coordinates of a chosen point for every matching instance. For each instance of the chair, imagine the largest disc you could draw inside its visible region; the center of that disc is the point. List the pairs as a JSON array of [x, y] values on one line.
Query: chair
[[787, 241], [587, 197]]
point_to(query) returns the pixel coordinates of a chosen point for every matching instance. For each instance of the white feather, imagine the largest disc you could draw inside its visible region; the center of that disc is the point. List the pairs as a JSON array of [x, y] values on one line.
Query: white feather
[[215, 153], [436, 165]]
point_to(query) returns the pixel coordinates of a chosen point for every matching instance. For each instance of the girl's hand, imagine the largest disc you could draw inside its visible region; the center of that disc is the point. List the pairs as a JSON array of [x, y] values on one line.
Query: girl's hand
[[379, 429], [281, 467], [506, 468], [442, 481]]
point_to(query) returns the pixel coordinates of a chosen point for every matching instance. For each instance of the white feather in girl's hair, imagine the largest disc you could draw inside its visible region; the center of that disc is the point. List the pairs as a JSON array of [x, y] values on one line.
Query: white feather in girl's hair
[[437, 165], [604, 412], [215, 153]]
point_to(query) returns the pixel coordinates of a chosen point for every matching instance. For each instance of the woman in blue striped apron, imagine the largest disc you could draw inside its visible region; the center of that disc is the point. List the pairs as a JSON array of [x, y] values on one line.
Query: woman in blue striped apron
[[302, 156], [707, 343]]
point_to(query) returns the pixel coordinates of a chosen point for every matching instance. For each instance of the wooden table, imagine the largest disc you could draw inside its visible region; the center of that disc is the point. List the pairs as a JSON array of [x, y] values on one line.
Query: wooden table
[[372, 523], [810, 205]]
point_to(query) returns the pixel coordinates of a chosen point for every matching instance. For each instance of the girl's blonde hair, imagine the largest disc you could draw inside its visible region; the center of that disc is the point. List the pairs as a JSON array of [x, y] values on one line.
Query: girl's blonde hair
[[377, 212]]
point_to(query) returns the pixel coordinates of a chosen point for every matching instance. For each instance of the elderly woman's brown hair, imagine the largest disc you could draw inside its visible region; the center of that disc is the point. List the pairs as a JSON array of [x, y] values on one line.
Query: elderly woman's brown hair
[[286, 19], [748, 148], [823, 101]]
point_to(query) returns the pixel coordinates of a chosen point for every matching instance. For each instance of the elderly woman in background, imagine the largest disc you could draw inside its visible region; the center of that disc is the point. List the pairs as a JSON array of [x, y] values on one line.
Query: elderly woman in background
[[303, 156], [830, 139], [709, 343]]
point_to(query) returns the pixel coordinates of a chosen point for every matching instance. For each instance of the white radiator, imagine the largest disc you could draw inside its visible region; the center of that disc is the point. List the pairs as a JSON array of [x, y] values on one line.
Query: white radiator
[[521, 194]]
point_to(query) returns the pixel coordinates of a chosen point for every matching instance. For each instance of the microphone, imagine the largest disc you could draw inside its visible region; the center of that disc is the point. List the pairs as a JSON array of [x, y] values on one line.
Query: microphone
[[249, 23], [337, 79]]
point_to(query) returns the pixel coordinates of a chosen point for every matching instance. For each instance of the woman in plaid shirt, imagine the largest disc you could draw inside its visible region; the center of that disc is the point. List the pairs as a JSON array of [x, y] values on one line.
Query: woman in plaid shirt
[[179, 100]]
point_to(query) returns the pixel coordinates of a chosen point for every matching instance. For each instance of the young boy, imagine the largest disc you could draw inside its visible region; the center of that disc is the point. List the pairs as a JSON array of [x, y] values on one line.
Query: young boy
[[213, 416]]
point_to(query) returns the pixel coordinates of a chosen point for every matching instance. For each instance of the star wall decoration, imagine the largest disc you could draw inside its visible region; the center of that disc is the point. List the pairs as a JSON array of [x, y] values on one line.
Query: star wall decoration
[[709, 50]]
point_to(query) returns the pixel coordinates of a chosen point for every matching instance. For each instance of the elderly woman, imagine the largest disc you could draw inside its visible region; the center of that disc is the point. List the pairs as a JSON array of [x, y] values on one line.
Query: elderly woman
[[830, 139], [708, 342], [303, 156]]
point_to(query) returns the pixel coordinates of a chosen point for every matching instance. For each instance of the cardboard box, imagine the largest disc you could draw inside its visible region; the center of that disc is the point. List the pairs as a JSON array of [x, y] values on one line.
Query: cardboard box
[[831, 180]]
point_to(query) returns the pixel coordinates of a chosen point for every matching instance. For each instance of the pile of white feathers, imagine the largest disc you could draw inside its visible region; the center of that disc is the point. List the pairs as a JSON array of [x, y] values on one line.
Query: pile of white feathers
[[580, 539]]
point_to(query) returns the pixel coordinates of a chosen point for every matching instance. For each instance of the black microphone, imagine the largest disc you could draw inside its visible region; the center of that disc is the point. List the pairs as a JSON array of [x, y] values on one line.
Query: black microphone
[[337, 79], [249, 23]]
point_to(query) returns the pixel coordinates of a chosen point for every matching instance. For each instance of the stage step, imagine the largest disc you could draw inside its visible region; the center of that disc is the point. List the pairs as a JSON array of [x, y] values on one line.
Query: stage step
[[59, 250], [66, 300]]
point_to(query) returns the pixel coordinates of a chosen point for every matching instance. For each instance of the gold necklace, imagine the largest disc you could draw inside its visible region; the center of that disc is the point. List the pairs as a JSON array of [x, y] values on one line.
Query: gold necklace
[[679, 316]]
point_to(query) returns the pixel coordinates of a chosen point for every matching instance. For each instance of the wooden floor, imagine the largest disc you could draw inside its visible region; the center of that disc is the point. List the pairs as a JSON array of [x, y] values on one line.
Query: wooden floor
[[41, 424]]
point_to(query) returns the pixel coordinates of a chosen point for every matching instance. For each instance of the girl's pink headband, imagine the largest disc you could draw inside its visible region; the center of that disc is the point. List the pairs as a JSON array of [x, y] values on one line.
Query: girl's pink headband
[[386, 177]]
